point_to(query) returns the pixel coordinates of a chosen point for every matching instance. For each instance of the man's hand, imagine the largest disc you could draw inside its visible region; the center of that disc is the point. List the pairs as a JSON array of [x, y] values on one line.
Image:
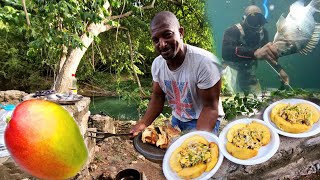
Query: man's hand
[[284, 77], [140, 126], [267, 52]]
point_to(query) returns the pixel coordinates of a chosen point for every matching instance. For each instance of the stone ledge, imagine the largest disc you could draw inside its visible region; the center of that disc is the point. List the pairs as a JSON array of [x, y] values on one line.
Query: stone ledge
[[295, 157]]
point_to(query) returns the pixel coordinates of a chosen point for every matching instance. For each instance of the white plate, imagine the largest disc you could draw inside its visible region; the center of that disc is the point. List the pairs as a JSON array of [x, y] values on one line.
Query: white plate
[[172, 175], [265, 152], [311, 132]]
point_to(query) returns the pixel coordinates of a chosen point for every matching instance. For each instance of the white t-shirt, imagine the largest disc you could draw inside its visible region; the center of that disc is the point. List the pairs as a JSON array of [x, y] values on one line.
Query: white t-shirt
[[200, 69]]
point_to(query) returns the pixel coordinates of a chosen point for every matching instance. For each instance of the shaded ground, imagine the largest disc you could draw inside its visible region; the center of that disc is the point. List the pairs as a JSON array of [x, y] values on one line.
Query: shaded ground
[[117, 153]]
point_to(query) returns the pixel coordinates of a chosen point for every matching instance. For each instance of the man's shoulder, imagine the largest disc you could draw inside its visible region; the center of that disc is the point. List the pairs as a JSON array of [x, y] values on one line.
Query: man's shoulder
[[158, 59], [198, 51], [233, 29], [201, 54]]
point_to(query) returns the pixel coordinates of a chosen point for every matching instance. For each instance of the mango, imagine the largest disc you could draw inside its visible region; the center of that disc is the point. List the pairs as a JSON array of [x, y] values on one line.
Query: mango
[[45, 141]]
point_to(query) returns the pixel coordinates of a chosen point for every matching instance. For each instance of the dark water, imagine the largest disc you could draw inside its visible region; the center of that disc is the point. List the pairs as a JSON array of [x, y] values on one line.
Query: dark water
[[303, 70], [118, 108], [114, 107]]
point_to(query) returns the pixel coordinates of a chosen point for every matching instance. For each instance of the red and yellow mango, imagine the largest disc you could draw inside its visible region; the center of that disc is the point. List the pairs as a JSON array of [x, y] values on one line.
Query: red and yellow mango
[[45, 141]]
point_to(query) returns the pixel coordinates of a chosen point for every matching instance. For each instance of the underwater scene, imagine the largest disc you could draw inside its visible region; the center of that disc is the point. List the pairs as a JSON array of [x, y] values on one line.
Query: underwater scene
[[300, 32]]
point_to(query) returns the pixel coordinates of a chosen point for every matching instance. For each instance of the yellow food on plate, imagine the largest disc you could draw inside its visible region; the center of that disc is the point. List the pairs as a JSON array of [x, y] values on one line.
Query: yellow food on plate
[[315, 113], [245, 140], [240, 153], [294, 118], [193, 157]]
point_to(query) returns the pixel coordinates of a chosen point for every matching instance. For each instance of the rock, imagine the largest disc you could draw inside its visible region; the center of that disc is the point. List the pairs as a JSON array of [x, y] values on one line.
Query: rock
[[12, 96], [103, 123], [141, 157]]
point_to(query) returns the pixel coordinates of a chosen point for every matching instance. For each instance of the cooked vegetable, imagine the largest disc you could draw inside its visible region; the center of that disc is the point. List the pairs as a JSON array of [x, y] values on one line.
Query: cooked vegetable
[[294, 118], [240, 153], [161, 136], [245, 140], [192, 172], [195, 156], [214, 150]]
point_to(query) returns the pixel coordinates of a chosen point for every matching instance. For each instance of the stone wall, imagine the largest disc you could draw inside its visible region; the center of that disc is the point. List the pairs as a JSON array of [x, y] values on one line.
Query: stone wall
[[295, 158], [80, 112], [11, 96]]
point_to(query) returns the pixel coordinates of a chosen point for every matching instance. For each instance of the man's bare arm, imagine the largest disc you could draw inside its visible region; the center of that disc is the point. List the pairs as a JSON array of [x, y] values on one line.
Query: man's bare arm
[[209, 113]]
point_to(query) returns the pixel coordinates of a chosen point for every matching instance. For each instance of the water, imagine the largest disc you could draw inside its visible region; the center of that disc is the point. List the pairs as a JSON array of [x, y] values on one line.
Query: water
[[302, 70], [118, 108], [3, 151], [4, 115], [114, 107]]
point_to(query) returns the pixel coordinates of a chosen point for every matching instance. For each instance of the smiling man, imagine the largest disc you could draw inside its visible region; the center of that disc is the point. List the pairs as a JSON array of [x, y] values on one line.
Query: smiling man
[[186, 76]]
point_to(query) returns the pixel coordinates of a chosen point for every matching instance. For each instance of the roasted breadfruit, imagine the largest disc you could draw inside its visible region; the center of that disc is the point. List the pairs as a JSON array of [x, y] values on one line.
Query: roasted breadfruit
[[294, 118], [245, 140], [193, 157], [161, 136]]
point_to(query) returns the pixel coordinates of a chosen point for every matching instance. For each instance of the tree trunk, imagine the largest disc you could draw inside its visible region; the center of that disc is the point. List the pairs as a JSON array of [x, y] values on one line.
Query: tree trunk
[[63, 80], [71, 64]]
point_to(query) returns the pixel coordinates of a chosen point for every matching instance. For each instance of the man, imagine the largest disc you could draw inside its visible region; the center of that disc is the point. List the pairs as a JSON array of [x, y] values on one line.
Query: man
[[187, 76], [245, 43]]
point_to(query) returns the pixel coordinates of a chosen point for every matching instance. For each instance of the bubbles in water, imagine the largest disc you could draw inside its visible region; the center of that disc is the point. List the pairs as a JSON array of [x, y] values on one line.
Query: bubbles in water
[[271, 7], [228, 2]]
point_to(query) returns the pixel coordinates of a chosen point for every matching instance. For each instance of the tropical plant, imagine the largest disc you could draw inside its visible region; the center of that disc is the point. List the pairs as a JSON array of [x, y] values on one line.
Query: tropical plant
[[52, 38]]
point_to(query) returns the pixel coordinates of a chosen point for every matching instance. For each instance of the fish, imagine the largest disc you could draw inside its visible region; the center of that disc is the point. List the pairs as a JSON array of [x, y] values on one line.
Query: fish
[[298, 32]]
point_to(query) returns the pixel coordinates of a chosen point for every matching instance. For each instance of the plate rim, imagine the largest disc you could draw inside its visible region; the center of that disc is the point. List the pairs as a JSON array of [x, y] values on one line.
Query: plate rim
[[266, 115], [222, 139], [178, 142]]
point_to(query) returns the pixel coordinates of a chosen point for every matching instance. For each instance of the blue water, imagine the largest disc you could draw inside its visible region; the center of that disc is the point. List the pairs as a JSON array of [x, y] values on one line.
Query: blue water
[[302, 70]]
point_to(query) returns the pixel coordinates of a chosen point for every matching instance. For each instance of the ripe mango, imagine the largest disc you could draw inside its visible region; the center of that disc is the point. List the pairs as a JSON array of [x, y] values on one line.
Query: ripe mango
[[45, 141]]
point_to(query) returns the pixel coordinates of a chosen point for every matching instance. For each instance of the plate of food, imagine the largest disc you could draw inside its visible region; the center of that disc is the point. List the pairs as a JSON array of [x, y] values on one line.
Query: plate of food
[[296, 118], [153, 142], [248, 141], [195, 155]]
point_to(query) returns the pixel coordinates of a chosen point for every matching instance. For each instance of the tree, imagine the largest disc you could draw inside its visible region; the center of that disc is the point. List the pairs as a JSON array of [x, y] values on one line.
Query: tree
[[64, 30]]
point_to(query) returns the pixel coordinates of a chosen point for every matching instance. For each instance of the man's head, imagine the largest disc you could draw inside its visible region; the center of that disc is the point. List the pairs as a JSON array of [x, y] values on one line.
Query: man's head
[[253, 17], [167, 34]]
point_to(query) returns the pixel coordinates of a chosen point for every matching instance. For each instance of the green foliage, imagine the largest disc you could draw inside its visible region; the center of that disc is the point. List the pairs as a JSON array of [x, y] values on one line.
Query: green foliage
[[297, 93], [31, 53], [114, 56], [248, 105], [243, 105]]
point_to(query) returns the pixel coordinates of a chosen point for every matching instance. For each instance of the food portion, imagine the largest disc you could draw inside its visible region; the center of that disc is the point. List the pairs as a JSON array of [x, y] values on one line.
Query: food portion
[[245, 140], [193, 157], [294, 118], [161, 136]]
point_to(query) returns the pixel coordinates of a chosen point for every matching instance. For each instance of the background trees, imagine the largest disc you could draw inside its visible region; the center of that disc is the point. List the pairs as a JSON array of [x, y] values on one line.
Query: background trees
[[97, 39]]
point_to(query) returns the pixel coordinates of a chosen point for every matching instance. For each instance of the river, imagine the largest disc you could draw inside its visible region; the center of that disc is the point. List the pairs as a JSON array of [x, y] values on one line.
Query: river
[[114, 107], [117, 108]]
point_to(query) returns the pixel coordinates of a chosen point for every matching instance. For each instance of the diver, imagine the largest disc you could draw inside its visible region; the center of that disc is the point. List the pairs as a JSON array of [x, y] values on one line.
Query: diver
[[243, 44]]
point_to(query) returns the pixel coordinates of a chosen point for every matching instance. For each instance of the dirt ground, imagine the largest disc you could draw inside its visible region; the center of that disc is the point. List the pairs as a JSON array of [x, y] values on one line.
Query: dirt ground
[[114, 154]]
